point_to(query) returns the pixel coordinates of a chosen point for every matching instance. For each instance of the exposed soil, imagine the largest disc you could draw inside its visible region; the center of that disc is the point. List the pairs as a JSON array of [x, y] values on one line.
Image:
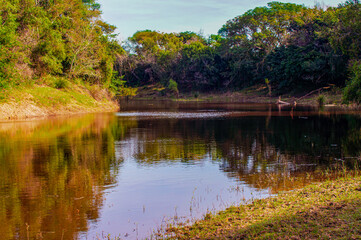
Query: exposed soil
[[26, 110]]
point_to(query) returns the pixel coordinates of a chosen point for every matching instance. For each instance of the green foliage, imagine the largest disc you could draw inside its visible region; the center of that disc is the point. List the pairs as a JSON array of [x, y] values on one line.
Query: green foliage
[[173, 86], [352, 91], [295, 47], [288, 44], [8, 41], [305, 67], [189, 36], [198, 68], [346, 33], [61, 38], [118, 86], [60, 83], [321, 100], [185, 57], [262, 28], [268, 86], [147, 43]]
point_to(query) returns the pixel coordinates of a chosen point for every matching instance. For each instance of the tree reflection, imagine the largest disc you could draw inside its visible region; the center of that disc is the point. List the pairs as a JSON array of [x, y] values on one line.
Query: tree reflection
[[279, 153], [52, 174]]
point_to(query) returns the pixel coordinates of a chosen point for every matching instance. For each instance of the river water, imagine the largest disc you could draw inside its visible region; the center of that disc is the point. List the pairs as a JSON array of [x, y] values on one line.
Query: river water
[[128, 174]]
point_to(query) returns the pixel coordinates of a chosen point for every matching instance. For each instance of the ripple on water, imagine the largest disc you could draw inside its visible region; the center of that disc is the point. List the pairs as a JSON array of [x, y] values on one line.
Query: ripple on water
[[173, 115]]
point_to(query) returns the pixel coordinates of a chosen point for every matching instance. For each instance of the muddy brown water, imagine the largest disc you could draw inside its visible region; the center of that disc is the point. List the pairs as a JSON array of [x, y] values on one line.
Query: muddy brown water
[[129, 173]]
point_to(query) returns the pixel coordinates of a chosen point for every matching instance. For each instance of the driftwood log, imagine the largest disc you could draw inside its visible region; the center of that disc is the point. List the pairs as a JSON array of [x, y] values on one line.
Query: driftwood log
[[308, 94], [280, 102]]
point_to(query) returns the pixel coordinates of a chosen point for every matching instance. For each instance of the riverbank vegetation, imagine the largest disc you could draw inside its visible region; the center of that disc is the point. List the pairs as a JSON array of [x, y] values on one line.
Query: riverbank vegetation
[[56, 57], [329, 210], [55, 38], [287, 48]]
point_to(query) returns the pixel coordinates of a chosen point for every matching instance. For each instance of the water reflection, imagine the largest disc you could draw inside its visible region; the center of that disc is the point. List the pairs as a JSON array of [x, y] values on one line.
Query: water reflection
[[52, 174], [87, 176]]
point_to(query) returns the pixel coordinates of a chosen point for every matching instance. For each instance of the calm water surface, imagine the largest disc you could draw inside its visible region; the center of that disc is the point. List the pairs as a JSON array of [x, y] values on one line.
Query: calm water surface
[[153, 163]]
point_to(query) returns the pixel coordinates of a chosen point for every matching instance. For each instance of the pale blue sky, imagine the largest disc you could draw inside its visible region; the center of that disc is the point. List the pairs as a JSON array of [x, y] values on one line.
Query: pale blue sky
[[207, 16]]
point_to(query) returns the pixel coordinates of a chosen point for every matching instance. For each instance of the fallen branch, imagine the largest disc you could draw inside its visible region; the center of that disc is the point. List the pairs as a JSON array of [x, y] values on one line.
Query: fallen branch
[[280, 102], [317, 90]]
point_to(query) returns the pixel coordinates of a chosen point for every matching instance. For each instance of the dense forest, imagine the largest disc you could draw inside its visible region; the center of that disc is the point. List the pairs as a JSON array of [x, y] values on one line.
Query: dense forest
[[60, 38], [288, 47]]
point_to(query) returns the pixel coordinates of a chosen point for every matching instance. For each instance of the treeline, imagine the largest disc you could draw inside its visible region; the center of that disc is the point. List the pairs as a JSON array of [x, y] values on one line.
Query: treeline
[[289, 47], [58, 38]]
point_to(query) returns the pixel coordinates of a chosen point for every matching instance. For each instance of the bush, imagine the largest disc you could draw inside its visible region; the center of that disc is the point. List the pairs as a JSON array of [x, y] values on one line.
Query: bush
[[321, 100], [60, 83], [118, 86], [352, 91], [173, 86]]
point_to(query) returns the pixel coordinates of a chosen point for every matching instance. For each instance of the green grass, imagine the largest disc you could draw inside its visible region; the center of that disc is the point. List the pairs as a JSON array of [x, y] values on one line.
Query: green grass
[[49, 100], [331, 210], [51, 97]]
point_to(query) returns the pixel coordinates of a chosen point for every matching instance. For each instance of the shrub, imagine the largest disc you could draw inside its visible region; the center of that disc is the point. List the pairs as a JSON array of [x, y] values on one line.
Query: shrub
[[352, 91], [118, 86], [60, 83], [268, 86], [321, 100], [173, 86]]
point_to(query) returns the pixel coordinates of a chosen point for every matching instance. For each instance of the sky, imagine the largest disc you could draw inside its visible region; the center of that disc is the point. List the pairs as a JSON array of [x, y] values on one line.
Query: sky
[[205, 16]]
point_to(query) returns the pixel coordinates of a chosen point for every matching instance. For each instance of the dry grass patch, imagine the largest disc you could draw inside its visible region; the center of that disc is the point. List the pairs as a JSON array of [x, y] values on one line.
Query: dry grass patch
[[331, 210]]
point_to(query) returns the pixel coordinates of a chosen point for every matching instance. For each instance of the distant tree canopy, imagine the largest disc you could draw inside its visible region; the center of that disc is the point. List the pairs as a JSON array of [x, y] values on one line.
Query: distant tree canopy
[[295, 47], [62, 37], [263, 28]]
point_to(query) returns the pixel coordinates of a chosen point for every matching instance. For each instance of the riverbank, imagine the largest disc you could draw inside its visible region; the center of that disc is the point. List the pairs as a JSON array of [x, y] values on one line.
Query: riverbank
[[328, 96], [35, 101], [44, 100], [330, 210]]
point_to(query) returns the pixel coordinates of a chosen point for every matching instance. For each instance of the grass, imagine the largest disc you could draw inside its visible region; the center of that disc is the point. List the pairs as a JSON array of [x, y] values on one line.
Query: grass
[[330, 210], [47, 99]]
